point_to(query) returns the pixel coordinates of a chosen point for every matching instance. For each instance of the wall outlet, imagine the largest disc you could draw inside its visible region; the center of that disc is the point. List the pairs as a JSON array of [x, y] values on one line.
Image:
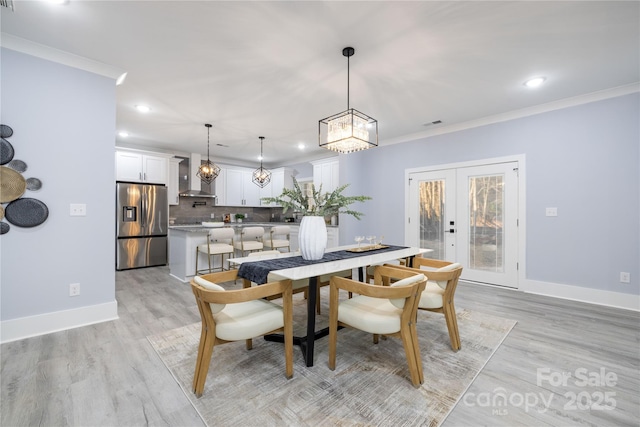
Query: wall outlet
[[213, 215], [625, 277], [78, 209], [74, 289], [552, 212]]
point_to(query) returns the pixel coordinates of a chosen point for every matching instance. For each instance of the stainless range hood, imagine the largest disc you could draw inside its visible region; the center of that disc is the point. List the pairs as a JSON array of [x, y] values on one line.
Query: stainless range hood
[[194, 181]]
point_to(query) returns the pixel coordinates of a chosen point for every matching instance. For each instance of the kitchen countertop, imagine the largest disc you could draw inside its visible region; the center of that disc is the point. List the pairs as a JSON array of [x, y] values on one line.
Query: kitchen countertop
[[198, 228]]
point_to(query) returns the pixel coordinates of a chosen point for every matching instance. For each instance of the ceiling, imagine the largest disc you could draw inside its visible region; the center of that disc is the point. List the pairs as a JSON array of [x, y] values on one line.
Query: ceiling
[[274, 69]]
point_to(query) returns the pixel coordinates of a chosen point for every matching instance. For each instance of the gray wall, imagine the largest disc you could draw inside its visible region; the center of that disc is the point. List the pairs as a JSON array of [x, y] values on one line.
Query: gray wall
[[64, 129], [584, 160]]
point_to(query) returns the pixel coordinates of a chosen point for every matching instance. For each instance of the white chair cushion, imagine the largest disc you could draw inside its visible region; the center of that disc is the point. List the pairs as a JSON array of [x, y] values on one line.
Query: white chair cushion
[[249, 246], [373, 315], [249, 319], [276, 243], [450, 267], [216, 248], [399, 302], [215, 308], [431, 296]]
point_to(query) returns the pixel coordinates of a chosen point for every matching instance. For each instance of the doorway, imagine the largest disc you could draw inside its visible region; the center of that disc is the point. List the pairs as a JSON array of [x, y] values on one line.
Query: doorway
[[468, 214]]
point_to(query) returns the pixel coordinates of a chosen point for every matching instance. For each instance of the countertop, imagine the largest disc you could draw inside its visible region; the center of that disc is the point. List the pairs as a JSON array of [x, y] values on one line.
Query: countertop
[[198, 228]]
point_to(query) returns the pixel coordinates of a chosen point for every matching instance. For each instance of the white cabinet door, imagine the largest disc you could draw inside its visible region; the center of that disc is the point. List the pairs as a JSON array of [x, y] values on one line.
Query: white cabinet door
[[173, 182], [326, 173], [234, 188], [251, 190], [154, 169], [137, 167], [128, 166]]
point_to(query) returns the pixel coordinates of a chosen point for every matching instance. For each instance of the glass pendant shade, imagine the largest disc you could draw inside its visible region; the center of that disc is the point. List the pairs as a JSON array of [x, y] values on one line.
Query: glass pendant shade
[[350, 130], [208, 171], [261, 176]]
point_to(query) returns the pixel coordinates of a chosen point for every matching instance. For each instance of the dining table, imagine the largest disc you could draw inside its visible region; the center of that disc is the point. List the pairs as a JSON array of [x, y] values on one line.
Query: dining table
[[292, 266]]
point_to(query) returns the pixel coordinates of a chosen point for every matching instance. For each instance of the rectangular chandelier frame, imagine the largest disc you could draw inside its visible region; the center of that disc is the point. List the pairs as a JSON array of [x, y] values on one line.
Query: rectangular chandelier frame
[[348, 131]]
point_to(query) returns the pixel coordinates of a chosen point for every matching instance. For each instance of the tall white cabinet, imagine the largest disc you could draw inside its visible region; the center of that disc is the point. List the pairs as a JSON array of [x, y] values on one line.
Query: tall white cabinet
[[326, 173]]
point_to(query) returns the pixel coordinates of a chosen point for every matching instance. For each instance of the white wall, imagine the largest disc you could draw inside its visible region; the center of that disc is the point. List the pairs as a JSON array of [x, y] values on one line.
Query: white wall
[[64, 129], [584, 160]]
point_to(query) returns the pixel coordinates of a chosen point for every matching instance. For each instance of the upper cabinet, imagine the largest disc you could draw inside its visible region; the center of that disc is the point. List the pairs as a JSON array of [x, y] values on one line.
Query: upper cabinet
[[135, 166], [326, 173], [234, 186], [173, 181]]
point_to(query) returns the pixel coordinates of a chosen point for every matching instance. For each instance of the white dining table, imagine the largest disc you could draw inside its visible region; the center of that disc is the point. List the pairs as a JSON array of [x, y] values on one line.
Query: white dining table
[[314, 271]]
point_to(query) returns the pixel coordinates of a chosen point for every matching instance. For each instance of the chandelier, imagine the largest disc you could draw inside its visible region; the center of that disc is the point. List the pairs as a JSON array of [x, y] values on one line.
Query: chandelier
[[208, 171], [261, 176], [349, 130]]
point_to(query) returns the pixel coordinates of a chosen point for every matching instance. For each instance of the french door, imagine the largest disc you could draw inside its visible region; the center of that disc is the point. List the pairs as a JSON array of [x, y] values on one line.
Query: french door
[[468, 215]]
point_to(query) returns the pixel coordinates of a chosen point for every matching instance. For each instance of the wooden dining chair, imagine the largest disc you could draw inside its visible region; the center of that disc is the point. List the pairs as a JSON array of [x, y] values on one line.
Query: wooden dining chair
[[380, 310], [236, 315], [442, 281]]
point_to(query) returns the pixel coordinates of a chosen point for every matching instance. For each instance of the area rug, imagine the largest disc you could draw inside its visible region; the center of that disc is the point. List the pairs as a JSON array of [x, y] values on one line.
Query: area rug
[[369, 387]]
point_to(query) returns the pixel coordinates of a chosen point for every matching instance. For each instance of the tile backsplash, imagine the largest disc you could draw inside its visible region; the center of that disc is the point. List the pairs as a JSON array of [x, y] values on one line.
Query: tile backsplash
[[192, 211]]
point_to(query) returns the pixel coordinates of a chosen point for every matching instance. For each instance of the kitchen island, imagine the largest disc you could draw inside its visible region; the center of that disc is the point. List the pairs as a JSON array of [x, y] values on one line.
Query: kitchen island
[[183, 240]]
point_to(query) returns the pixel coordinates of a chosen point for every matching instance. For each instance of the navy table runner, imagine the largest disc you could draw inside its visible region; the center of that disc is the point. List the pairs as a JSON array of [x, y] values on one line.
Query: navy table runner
[[257, 271]]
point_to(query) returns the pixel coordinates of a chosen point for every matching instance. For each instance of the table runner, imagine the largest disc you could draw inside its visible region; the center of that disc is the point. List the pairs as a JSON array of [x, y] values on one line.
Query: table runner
[[257, 271]]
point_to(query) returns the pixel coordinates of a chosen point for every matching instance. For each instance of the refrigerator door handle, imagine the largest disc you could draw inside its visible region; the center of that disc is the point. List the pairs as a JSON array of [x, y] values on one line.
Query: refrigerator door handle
[[143, 214]]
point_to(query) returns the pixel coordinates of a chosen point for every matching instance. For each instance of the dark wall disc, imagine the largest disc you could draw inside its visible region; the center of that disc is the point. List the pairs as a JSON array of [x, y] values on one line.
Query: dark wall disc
[[5, 131], [6, 151], [26, 212]]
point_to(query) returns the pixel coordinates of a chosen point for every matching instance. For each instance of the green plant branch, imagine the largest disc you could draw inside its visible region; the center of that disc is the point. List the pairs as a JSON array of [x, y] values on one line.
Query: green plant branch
[[320, 204]]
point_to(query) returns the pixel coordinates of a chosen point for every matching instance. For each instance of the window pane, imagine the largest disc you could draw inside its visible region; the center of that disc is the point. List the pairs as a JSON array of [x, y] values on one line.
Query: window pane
[[432, 222], [486, 202]]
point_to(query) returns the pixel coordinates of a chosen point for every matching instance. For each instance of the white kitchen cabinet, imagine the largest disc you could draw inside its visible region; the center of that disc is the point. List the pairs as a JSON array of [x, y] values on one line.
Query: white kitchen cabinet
[[234, 186], [173, 181], [281, 178], [326, 173], [239, 189], [141, 167], [333, 237]]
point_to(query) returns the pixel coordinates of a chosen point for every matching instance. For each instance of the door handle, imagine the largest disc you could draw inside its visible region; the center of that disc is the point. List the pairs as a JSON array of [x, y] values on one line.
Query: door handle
[[451, 230]]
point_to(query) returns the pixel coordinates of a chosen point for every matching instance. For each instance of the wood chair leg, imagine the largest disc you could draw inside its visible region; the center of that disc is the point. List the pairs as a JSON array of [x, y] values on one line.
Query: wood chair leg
[[202, 364], [376, 338], [418, 356], [249, 344], [409, 349], [452, 325], [333, 326], [318, 300]]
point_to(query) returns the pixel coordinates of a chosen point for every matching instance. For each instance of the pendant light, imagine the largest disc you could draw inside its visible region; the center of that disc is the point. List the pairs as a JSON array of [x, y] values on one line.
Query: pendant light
[[349, 130], [208, 171], [261, 176]]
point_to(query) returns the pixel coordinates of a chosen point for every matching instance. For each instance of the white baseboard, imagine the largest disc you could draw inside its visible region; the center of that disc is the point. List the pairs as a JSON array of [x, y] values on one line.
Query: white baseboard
[[577, 293], [26, 327]]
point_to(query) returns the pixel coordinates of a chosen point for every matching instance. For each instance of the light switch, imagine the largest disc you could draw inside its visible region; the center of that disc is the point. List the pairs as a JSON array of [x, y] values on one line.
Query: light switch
[[78, 209], [552, 211]]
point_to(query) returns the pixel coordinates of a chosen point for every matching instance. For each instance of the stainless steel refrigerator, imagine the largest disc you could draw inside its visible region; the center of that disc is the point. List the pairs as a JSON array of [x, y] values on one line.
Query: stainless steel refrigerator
[[142, 225]]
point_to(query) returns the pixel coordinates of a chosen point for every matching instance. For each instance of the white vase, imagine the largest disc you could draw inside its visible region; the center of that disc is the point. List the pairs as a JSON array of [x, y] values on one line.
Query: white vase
[[312, 237]]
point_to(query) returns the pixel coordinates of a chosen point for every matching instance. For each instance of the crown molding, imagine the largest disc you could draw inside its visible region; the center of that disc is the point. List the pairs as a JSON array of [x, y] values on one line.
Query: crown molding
[[524, 112], [38, 50]]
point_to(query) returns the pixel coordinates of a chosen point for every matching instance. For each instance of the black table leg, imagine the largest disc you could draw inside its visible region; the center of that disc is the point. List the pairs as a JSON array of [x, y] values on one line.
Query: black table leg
[[307, 349]]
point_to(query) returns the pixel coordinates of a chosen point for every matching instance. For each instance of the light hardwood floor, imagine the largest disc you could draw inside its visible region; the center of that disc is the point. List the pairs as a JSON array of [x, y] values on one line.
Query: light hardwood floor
[[108, 374]]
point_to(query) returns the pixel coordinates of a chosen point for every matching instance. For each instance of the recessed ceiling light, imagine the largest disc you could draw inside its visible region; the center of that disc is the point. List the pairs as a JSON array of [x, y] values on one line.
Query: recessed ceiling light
[[535, 82], [123, 134], [301, 146], [143, 108], [259, 157]]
